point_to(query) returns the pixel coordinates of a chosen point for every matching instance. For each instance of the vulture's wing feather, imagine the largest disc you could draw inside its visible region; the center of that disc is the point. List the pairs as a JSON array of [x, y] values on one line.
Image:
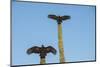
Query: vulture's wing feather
[[65, 17], [53, 17], [34, 49], [51, 49]]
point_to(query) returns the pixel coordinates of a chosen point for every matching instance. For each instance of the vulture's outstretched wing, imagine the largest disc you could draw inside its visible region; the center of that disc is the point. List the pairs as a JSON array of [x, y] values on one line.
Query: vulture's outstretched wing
[[34, 49], [65, 17], [51, 49], [53, 17]]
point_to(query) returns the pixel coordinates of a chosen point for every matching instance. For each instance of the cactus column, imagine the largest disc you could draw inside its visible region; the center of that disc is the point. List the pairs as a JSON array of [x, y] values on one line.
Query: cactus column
[[60, 43], [59, 20], [42, 60]]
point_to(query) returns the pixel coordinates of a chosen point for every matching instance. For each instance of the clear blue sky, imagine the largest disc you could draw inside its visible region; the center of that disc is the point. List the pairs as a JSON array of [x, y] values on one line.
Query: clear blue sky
[[32, 27]]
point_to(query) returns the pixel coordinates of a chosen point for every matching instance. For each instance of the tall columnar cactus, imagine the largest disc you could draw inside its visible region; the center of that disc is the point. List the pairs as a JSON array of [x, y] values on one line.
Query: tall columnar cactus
[[59, 20]]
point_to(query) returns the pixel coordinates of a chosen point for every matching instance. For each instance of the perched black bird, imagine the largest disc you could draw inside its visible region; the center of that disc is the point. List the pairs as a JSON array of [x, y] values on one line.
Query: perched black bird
[[59, 18], [41, 50]]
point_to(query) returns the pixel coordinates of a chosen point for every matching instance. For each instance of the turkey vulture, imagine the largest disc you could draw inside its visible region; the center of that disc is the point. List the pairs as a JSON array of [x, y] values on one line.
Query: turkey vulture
[[59, 18], [41, 50]]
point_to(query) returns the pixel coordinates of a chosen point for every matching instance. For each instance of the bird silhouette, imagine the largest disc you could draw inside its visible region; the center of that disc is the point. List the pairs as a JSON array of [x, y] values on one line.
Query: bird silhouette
[[41, 50], [59, 19]]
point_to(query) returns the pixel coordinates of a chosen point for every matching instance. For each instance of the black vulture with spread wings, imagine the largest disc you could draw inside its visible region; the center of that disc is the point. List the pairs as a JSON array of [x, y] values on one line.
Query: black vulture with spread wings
[[41, 50], [59, 18]]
